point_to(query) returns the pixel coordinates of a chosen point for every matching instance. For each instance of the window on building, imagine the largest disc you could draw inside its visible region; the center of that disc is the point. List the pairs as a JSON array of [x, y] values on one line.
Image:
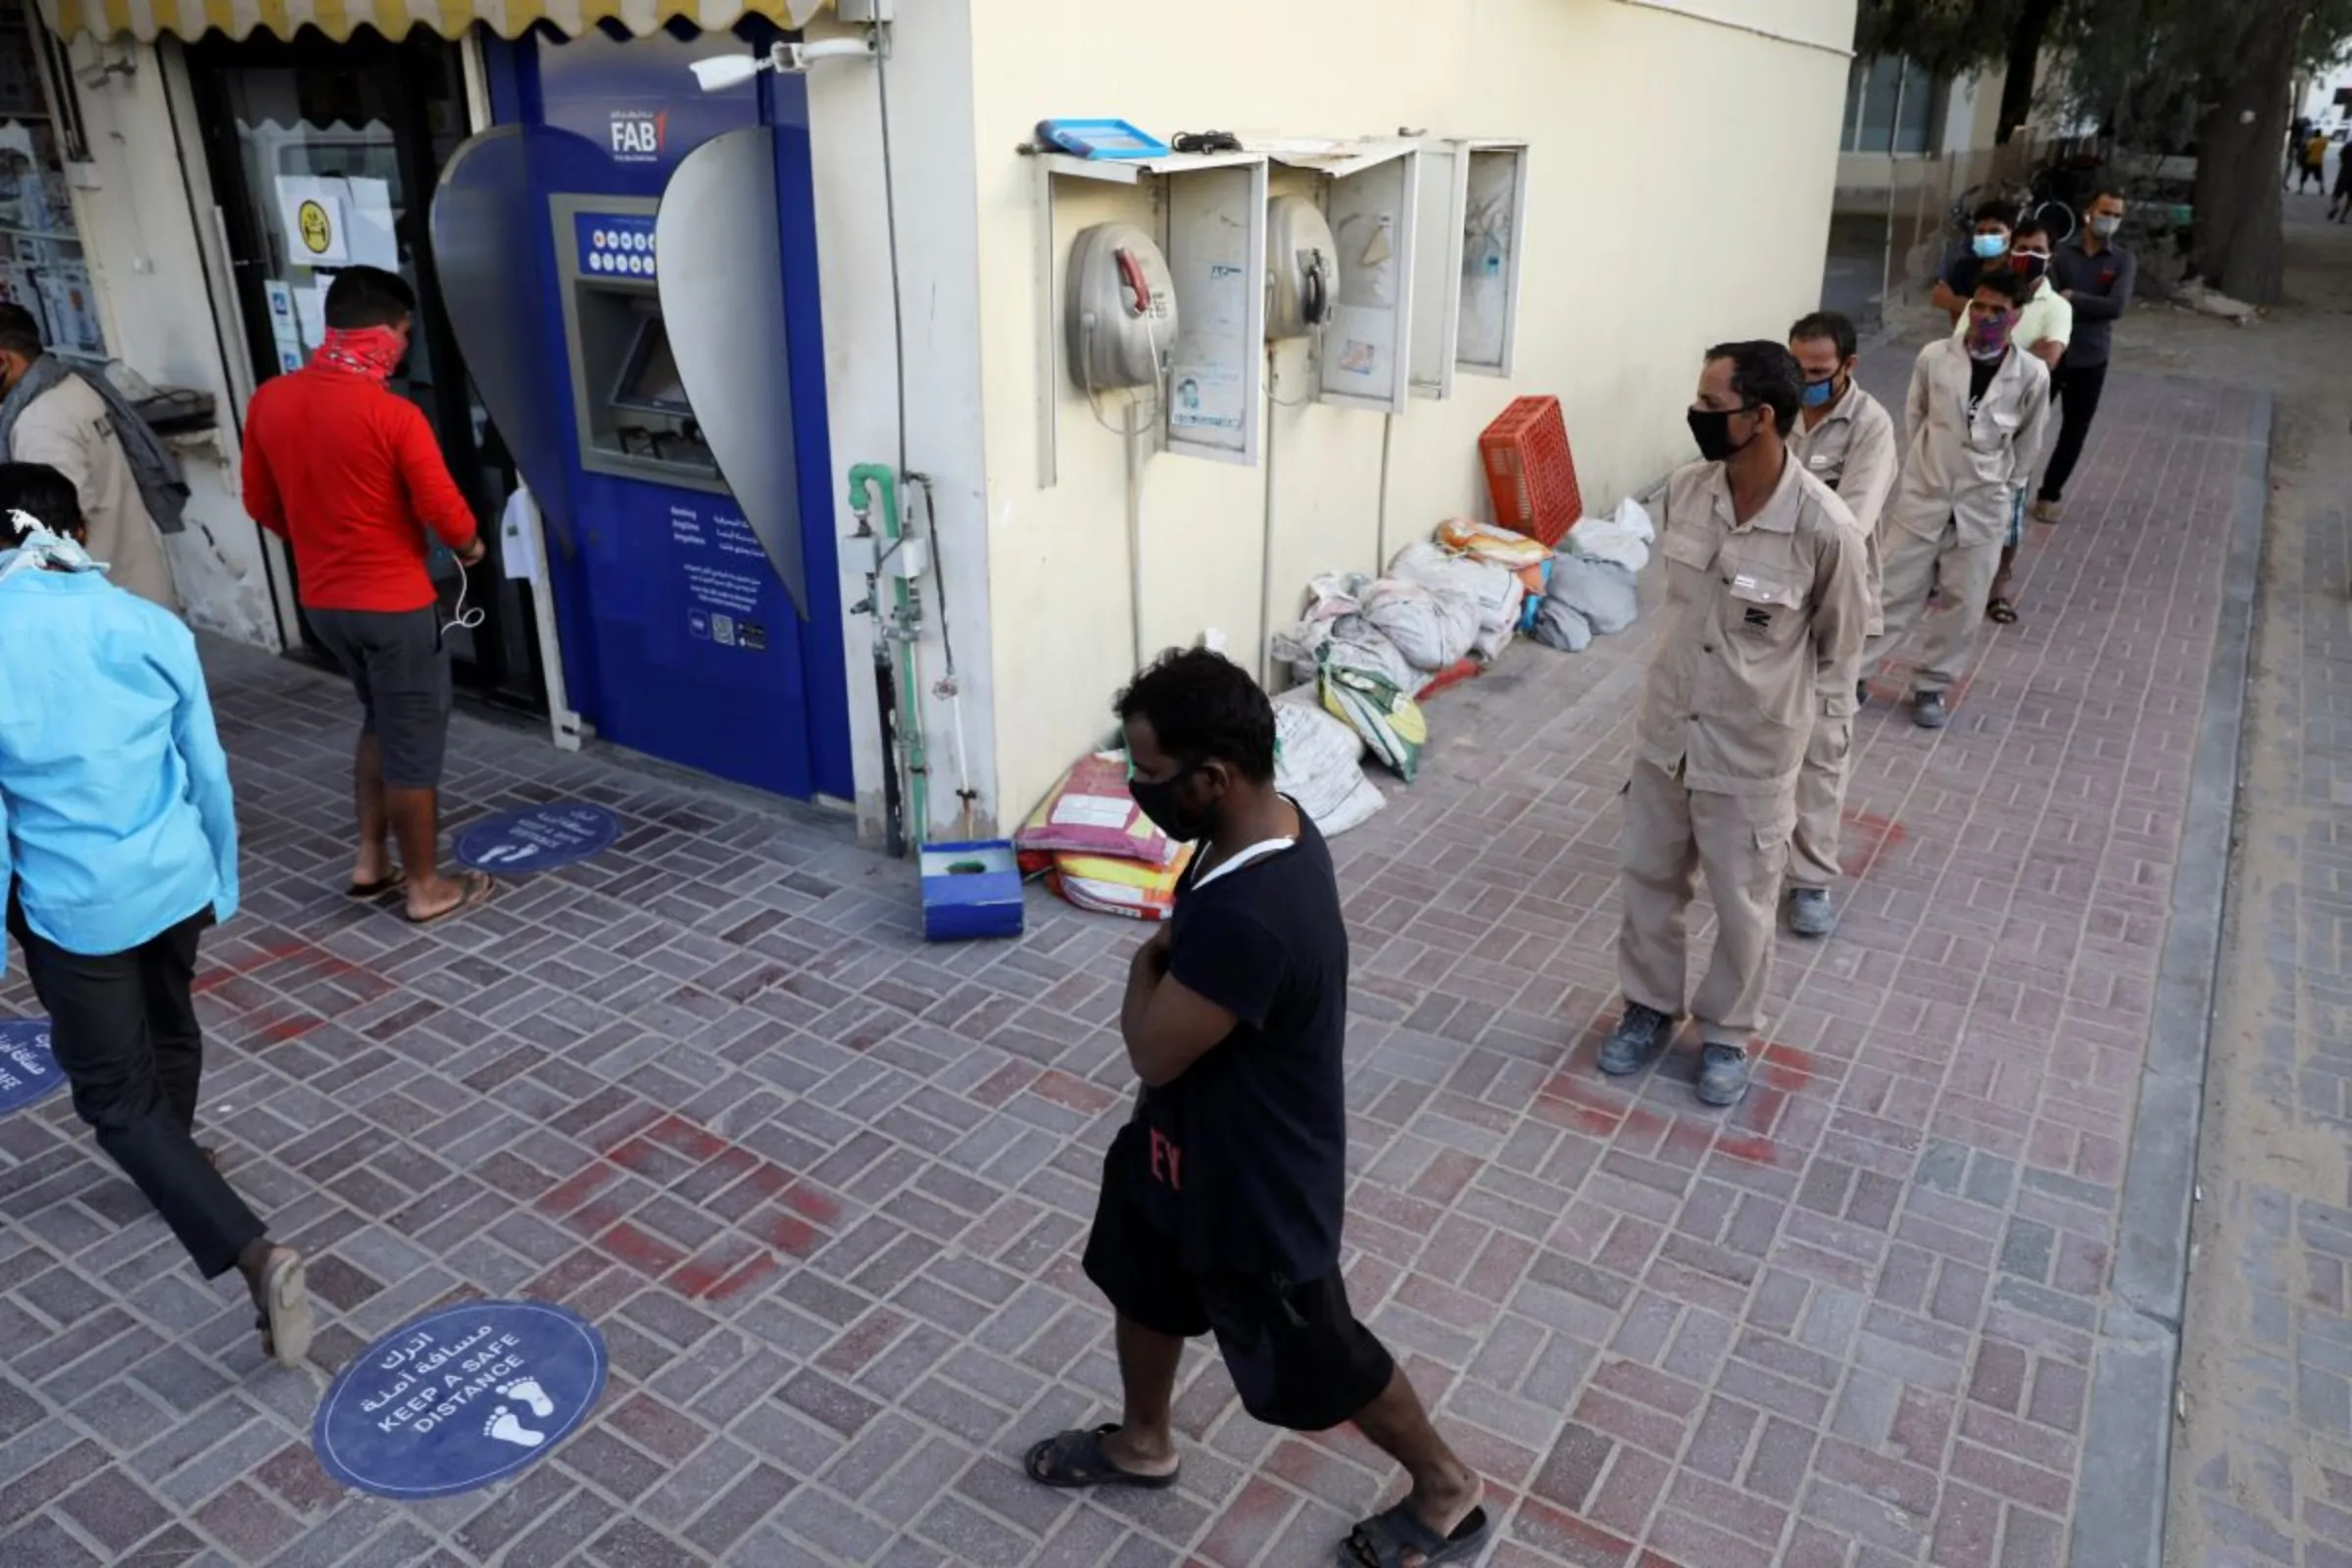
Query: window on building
[[42, 261], [1890, 106]]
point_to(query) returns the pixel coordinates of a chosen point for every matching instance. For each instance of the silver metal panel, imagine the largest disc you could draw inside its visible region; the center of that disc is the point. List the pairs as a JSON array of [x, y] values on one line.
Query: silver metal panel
[[495, 277], [722, 298]]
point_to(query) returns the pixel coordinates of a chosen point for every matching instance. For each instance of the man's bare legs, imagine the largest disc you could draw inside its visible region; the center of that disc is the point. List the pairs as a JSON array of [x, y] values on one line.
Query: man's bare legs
[[1144, 1445], [1444, 1490], [416, 825], [410, 817], [373, 863]]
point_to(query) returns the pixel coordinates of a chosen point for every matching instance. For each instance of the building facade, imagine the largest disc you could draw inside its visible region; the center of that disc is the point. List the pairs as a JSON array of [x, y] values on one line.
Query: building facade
[[861, 261]]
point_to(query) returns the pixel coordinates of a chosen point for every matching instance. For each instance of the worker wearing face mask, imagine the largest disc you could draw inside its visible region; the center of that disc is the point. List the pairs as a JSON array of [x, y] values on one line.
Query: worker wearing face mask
[[1976, 415], [2044, 326], [1846, 438], [1767, 592], [2095, 277], [1988, 244]]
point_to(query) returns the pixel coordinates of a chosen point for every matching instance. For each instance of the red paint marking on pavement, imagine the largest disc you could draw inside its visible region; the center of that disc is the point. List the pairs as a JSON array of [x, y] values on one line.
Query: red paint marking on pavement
[[774, 1210], [222, 976], [1876, 835]]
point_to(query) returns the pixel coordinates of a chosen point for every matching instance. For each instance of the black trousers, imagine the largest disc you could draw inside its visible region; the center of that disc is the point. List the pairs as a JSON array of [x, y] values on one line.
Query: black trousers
[[124, 1027], [2077, 389]]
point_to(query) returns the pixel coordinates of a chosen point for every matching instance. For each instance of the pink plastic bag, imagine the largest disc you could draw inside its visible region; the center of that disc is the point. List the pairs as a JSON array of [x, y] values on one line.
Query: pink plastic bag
[[1091, 812]]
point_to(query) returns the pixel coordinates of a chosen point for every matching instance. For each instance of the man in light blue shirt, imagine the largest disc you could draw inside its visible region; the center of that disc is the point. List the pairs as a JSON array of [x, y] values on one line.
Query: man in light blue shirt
[[118, 848]]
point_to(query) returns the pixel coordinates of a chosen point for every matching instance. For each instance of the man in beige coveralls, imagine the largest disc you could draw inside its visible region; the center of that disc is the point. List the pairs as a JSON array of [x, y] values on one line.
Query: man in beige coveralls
[[1976, 415], [1766, 595], [70, 427], [1846, 438]]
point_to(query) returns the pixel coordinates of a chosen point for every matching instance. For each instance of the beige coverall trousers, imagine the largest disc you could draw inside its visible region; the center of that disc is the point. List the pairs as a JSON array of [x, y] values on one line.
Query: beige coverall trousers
[[1673, 833], [1820, 798], [1962, 572]]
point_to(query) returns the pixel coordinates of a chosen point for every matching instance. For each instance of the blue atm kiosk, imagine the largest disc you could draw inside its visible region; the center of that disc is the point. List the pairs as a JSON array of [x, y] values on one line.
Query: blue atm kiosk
[[629, 264]]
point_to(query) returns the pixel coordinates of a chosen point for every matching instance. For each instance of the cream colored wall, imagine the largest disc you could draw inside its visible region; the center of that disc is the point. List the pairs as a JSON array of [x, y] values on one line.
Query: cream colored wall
[[1681, 190], [139, 227]]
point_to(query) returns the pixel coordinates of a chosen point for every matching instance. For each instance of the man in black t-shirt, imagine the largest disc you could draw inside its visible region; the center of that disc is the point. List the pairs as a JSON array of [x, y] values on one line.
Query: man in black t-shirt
[[1222, 1197], [1962, 264]]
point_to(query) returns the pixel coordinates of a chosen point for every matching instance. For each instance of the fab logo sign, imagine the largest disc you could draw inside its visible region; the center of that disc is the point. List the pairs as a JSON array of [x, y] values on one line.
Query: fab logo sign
[[639, 135]]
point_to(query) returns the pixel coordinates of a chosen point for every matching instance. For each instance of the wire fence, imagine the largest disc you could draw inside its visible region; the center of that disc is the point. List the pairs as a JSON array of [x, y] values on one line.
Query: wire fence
[[1893, 227]]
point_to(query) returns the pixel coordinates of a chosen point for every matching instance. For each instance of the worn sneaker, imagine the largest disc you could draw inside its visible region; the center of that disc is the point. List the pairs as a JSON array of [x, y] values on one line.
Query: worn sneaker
[[1723, 1076], [1636, 1041], [1928, 710], [1810, 913], [2048, 511]]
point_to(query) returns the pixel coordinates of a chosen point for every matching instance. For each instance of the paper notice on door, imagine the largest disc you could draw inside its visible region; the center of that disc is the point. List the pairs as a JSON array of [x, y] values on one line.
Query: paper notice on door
[[309, 315], [315, 215], [373, 241], [1208, 396], [284, 331]]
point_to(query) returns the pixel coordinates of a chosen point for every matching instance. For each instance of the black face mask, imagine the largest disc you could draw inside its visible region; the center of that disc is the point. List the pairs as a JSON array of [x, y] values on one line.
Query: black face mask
[[1157, 802], [1711, 429]]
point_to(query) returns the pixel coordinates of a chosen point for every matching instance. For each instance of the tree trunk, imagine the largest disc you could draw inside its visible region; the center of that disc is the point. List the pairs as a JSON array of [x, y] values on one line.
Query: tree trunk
[[2242, 161], [2025, 59]]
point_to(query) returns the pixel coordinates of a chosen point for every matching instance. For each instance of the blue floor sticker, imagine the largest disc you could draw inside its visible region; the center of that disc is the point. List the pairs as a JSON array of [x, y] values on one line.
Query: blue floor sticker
[[538, 838], [27, 1070], [460, 1397]]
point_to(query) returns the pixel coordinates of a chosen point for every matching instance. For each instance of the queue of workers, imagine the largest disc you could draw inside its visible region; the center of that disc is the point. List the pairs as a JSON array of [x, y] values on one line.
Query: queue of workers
[[1801, 549]]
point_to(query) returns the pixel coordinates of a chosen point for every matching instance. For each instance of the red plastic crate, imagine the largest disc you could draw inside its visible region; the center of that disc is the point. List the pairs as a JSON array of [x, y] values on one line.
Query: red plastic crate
[[1531, 473]]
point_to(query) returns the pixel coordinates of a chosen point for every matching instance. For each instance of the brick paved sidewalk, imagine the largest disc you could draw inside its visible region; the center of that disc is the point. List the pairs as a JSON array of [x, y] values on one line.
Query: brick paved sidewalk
[[822, 1187]]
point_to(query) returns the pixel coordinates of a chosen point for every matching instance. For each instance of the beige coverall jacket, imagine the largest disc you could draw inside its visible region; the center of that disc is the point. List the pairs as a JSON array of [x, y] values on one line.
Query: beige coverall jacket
[[1855, 452], [69, 428], [1944, 528], [1763, 625]]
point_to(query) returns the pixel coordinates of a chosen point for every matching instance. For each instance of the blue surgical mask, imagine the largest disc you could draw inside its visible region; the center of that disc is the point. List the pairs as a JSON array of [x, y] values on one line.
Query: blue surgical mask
[[1987, 246], [1818, 393]]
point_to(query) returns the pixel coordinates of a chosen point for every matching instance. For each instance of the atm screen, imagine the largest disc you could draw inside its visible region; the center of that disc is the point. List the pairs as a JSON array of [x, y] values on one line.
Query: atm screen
[[649, 380]]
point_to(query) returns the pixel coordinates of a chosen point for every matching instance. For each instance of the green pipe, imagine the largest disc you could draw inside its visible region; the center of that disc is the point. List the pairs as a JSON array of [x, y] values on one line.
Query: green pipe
[[864, 479]]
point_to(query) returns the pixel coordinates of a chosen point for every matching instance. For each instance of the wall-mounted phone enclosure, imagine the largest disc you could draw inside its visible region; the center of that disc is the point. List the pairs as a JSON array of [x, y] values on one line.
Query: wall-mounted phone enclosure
[[1473, 215], [1209, 211], [1120, 316], [1370, 194]]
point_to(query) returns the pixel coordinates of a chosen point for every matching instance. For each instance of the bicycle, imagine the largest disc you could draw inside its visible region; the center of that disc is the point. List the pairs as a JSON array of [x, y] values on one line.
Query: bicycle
[[2033, 200]]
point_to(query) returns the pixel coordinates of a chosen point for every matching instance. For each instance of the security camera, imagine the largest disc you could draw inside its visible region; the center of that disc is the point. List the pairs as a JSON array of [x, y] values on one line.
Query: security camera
[[719, 74]]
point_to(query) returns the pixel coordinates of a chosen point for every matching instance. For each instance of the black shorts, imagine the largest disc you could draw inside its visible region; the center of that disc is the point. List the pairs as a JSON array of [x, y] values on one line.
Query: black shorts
[[1297, 1356], [398, 668]]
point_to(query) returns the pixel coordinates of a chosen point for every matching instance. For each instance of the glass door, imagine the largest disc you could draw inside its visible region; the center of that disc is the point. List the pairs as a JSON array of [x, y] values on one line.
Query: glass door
[[324, 155]]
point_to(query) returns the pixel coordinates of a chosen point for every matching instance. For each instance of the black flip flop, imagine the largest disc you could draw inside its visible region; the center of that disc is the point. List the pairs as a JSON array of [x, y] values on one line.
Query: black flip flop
[[1382, 1541], [1074, 1460], [479, 888], [375, 889]]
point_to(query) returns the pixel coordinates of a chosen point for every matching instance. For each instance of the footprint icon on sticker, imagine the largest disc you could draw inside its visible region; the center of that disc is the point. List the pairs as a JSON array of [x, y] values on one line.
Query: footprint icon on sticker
[[506, 1428]]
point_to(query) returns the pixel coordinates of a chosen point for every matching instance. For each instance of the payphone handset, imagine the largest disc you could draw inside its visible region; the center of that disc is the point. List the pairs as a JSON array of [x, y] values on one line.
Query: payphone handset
[[1121, 309], [1302, 267]]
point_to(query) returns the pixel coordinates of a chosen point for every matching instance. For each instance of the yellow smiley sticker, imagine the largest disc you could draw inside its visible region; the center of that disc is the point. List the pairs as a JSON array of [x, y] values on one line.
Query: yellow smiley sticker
[[317, 229]]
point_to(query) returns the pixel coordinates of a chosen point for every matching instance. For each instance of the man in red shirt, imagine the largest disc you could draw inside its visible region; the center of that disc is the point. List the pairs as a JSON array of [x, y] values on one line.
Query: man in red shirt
[[347, 471]]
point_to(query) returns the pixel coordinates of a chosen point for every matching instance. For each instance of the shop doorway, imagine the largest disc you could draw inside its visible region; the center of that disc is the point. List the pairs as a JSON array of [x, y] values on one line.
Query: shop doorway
[[366, 124]]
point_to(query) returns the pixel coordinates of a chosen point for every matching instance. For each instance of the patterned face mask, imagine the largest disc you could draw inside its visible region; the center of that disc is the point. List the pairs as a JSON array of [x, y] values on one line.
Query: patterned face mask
[[1989, 339], [373, 352]]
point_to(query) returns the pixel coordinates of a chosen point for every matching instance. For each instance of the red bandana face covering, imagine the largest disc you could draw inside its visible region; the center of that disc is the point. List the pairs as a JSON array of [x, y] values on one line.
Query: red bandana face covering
[[369, 351]]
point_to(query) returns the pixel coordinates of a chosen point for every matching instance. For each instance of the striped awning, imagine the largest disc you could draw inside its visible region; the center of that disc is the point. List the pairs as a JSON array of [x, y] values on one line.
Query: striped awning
[[148, 19]]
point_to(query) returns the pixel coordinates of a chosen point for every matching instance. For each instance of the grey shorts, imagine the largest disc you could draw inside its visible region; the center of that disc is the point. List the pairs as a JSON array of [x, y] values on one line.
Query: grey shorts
[[401, 673]]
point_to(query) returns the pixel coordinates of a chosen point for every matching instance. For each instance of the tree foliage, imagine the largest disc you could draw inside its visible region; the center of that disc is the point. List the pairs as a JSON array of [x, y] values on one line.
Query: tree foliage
[[1949, 38], [2156, 77]]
